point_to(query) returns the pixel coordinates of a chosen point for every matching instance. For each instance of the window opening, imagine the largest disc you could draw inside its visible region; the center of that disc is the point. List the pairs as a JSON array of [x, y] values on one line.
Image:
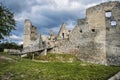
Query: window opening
[[62, 35], [93, 30], [80, 31], [108, 14], [113, 23]]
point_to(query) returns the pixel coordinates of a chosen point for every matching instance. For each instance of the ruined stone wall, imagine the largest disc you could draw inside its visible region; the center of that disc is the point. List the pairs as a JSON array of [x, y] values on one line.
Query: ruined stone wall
[[96, 22], [87, 47], [96, 15], [96, 19], [86, 41], [82, 43], [63, 33], [113, 36], [90, 38], [33, 34], [30, 35], [27, 31], [12, 51], [94, 39]]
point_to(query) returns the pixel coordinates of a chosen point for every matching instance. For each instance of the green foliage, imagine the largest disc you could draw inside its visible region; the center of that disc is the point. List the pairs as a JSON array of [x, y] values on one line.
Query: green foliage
[[7, 21], [11, 45]]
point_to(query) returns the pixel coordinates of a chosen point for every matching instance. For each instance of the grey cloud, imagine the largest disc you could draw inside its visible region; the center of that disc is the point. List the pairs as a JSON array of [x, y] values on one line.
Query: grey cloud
[[16, 6], [45, 14]]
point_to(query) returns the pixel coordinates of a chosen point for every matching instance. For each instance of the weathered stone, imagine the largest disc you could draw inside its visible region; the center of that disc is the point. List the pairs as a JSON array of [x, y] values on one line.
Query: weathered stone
[[95, 38], [91, 39], [63, 33], [115, 77], [30, 34]]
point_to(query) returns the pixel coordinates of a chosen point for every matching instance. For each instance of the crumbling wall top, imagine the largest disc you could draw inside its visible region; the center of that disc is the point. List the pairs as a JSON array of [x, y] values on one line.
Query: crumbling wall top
[[102, 7], [81, 21], [27, 20]]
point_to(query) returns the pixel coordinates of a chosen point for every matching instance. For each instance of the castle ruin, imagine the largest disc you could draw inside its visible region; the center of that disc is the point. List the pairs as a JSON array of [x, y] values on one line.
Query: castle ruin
[[95, 38]]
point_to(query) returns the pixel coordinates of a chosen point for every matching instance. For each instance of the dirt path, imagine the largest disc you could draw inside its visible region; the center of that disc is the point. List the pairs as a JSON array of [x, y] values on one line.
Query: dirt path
[[5, 58]]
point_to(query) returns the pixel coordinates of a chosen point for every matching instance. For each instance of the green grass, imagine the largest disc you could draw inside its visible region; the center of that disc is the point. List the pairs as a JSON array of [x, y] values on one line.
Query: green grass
[[26, 69]]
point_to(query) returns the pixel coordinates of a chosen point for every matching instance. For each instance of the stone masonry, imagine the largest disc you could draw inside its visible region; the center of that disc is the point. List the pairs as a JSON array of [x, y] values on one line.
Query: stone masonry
[[95, 38]]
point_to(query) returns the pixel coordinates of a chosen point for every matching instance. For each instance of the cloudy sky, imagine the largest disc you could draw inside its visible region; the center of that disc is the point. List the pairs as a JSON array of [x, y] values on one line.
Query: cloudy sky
[[47, 15]]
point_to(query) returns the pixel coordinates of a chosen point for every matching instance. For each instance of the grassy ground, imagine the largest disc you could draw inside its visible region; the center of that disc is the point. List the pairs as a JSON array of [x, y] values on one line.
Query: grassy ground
[[26, 69], [57, 57]]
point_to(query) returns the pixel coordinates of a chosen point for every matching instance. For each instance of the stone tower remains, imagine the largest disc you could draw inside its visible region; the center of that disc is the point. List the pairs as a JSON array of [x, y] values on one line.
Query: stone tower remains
[[27, 31], [95, 38], [30, 34]]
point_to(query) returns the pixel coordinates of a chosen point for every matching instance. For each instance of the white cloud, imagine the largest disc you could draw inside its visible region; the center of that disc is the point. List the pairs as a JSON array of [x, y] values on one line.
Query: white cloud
[[21, 17], [92, 4], [56, 29], [14, 37], [54, 5], [44, 37], [49, 14], [71, 24], [20, 43]]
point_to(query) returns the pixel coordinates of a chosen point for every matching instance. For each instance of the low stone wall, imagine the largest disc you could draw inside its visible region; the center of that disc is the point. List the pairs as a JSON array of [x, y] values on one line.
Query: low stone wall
[[115, 77], [12, 50], [113, 60]]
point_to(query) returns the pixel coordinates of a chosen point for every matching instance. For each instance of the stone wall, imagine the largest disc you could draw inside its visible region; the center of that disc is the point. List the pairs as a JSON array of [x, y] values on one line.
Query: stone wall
[[113, 36], [115, 77], [88, 45], [94, 39], [27, 27], [83, 42], [63, 33], [30, 35], [12, 51], [33, 34]]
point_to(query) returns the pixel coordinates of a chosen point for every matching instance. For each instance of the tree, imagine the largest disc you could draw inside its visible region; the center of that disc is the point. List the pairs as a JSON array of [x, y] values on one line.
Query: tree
[[10, 45], [7, 22]]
